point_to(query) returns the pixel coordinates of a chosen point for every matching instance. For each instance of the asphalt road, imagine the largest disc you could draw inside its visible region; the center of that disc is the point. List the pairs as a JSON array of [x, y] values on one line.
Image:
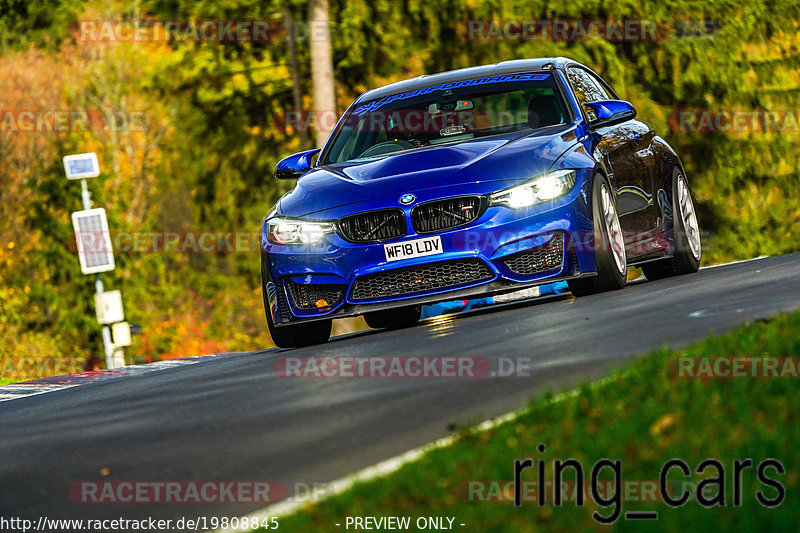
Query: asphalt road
[[232, 418]]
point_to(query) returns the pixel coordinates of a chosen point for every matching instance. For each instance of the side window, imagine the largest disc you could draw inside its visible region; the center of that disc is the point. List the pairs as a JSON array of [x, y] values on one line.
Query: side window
[[586, 88], [608, 92]]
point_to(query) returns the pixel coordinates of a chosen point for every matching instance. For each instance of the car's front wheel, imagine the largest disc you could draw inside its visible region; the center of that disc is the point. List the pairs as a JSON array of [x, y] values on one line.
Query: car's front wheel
[[609, 245], [403, 317], [687, 247], [294, 335], [299, 335]]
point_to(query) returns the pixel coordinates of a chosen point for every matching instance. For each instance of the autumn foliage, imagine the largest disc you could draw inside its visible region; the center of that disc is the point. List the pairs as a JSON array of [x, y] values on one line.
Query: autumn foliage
[[187, 139]]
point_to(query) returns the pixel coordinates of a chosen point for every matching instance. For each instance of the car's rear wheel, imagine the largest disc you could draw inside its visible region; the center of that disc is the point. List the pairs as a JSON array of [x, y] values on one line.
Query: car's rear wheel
[[295, 335], [609, 244], [403, 317], [687, 246]]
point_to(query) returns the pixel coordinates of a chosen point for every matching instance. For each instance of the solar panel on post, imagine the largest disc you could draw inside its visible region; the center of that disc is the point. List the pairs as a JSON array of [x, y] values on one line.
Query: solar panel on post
[[94, 241]]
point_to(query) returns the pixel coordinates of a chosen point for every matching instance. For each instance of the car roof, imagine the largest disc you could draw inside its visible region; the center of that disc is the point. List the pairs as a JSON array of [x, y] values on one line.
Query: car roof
[[497, 69]]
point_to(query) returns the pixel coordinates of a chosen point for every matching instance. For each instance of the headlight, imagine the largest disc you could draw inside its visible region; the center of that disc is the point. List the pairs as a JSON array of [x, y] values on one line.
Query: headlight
[[287, 231], [546, 187]]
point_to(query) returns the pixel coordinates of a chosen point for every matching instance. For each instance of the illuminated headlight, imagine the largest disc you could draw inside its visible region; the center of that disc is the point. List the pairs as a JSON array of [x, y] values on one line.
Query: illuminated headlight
[[546, 187], [287, 231]]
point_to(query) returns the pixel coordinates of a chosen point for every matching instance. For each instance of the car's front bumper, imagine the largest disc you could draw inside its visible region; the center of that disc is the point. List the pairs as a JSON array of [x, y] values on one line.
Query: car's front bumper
[[511, 249]]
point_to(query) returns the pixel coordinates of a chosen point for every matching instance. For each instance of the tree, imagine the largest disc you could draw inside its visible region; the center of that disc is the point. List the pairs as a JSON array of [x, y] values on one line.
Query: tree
[[322, 69], [291, 49]]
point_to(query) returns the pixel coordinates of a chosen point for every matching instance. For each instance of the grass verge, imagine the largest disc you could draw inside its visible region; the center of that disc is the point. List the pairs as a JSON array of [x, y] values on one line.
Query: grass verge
[[7, 381], [644, 417]]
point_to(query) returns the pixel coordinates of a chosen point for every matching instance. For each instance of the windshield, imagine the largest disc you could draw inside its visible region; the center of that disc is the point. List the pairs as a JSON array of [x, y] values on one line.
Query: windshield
[[451, 112]]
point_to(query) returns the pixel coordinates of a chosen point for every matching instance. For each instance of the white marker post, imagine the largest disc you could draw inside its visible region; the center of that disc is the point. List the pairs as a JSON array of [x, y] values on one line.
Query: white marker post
[[94, 250]]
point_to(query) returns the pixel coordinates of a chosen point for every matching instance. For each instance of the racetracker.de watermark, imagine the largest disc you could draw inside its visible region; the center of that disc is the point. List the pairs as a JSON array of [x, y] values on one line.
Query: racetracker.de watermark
[[200, 31], [734, 121], [385, 366], [402, 121], [594, 29], [223, 242], [176, 492], [169, 242], [734, 367], [502, 491], [72, 120], [38, 367]]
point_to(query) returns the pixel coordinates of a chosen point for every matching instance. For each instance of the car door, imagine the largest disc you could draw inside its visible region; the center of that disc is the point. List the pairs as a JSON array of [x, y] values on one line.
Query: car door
[[626, 149]]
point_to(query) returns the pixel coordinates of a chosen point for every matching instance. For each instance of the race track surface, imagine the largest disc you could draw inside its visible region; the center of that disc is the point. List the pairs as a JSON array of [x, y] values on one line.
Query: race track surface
[[232, 418]]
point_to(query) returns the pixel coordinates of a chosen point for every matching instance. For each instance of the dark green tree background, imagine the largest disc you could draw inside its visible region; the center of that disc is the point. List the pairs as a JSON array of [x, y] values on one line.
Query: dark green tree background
[[216, 133]]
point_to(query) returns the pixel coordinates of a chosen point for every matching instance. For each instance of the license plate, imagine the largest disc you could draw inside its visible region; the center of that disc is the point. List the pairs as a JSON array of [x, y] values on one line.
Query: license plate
[[416, 248]]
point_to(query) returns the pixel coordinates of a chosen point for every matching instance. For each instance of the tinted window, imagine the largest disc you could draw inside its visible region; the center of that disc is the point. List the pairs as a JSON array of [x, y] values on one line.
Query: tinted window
[[452, 112], [586, 88]]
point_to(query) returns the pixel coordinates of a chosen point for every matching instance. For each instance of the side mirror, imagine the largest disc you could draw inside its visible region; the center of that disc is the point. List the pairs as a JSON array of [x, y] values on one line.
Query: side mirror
[[610, 112], [294, 166]]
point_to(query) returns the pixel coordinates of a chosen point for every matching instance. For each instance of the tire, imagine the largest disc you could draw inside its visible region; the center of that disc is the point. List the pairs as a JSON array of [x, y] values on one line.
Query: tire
[[609, 244], [404, 317], [300, 335], [687, 245], [295, 335]]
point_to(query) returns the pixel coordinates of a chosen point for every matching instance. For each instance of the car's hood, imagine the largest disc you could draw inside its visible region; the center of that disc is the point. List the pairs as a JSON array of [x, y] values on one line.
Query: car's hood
[[507, 158]]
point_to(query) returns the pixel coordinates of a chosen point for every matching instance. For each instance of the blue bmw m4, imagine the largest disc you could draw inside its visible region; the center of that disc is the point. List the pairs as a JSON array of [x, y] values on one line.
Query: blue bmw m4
[[467, 184]]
